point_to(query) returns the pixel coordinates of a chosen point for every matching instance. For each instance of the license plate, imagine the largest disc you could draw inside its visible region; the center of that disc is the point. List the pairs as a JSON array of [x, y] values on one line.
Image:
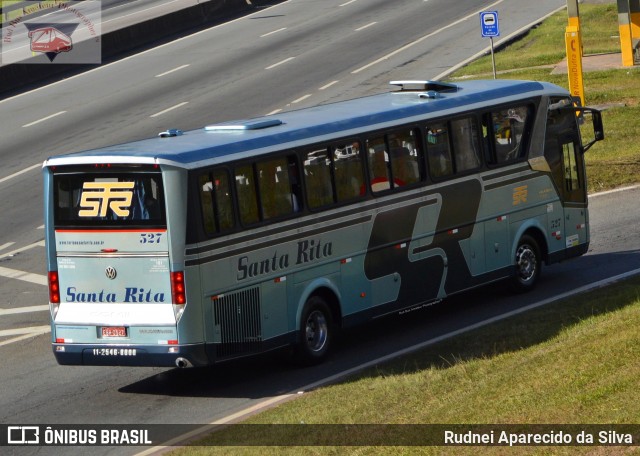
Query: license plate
[[114, 331], [114, 352]]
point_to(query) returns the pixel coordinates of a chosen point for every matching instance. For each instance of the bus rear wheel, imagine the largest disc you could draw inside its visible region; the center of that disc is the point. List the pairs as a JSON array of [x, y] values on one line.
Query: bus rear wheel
[[316, 332], [528, 264]]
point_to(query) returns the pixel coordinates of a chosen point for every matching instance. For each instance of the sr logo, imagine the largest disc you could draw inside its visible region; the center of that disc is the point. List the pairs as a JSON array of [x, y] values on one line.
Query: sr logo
[[111, 272]]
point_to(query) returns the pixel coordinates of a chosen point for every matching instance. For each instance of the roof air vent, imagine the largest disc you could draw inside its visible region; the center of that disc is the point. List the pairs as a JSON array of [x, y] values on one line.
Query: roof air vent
[[425, 86], [244, 125]]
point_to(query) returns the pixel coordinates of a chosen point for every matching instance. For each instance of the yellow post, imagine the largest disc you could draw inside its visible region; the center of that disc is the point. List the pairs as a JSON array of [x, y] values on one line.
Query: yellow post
[[574, 62], [626, 29], [574, 18]]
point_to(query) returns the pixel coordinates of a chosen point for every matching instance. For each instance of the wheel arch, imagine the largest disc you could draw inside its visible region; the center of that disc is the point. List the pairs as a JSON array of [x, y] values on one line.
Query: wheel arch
[[537, 232], [329, 292]]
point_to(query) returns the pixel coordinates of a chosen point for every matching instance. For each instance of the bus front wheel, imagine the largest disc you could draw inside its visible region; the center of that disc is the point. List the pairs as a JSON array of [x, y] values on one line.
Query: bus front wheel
[[316, 332], [528, 263]]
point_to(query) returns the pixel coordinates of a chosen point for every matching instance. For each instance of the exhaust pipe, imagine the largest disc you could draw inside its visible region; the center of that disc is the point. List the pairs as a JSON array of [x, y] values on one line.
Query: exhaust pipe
[[183, 363]]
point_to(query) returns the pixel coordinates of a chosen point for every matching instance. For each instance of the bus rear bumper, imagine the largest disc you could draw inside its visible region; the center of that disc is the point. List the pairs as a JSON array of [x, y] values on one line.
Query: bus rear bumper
[[131, 355]]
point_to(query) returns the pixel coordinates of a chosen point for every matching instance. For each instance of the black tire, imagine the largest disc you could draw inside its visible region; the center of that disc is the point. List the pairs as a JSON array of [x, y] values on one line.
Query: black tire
[[527, 266], [316, 332]]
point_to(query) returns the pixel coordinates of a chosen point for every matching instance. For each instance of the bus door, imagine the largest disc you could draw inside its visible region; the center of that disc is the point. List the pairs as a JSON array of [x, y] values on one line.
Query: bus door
[[564, 154], [110, 264]]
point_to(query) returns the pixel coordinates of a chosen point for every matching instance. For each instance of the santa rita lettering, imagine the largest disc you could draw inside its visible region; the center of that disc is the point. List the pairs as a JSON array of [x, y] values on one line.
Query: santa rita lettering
[[308, 250], [131, 294]]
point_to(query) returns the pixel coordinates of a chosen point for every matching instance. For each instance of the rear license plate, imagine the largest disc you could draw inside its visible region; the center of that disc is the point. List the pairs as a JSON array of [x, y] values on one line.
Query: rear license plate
[[114, 352], [114, 331]]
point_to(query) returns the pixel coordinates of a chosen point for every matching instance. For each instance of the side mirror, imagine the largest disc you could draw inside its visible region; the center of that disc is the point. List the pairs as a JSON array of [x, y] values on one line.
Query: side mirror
[[598, 130]]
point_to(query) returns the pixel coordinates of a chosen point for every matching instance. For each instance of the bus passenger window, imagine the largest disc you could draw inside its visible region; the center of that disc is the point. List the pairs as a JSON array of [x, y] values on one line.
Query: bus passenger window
[[276, 194], [215, 200], [378, 169], [438, 150], [317, 175], [466, 148], [404, 158], [347, 163], [247, 198]]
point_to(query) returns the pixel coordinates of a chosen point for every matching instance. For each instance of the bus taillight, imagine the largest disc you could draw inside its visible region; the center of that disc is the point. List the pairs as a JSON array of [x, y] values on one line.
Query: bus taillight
[[54, 288], [178, 294], [54, 292]]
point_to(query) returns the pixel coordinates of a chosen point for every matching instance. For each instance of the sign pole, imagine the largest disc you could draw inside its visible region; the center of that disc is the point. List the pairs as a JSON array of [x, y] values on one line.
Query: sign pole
[[489, 28], [493, 58]]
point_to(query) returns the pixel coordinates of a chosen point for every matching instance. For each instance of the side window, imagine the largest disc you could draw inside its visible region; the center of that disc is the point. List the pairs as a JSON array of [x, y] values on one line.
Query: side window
[[509, 133], [405, 156], [347, 163], [216, 203], [317, 174], [247, 197], [378, 158], [394, 160], [277, 196], [466, 149], [439, 150]]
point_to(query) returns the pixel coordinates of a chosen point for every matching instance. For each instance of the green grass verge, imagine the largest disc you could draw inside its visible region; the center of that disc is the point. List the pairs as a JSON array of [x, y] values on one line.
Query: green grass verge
[[611, 163], [573, 361]]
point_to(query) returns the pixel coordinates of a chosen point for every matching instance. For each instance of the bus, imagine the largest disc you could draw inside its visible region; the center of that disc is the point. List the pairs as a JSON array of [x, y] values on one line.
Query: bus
[[196, 247]]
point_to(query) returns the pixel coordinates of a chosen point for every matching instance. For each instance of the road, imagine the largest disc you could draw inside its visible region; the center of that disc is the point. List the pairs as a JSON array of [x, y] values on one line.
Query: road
[[299, 53]]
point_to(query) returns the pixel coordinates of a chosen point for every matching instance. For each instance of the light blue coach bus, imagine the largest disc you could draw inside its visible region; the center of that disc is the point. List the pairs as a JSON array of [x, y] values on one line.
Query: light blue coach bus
[[198, 247]]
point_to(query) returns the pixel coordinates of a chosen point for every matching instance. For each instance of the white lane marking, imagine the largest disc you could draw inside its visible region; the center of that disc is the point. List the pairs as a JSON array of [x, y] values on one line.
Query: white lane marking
[[169, 109], [43, 119], [279, 63], [24, 276], [302, 98], [419, 40], [20, 310], [366, 26], [245, 413], [615, 190], [275, 31], [22, 249], [326, 86], [275, 111], [348, 3], [172, 71], [16, 174], [24, 333], [7, 245], [41, 227]]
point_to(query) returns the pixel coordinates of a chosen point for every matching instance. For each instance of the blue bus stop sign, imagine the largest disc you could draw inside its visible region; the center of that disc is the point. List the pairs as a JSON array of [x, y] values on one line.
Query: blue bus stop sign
[[489, 24]]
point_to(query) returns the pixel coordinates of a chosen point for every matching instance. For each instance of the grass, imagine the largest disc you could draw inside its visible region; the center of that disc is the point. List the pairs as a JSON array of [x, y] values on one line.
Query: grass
[[611, 163], [574, 361]]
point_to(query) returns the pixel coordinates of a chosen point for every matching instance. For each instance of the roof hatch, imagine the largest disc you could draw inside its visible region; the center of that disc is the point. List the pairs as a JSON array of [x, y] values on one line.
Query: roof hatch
[[243, 125]]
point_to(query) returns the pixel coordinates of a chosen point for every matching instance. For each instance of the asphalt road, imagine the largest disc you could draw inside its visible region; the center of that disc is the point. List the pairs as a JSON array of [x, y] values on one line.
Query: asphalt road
[[299, 53]]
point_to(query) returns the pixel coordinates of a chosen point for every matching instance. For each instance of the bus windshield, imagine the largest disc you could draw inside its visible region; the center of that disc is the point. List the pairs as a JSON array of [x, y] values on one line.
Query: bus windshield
[[116, 198]]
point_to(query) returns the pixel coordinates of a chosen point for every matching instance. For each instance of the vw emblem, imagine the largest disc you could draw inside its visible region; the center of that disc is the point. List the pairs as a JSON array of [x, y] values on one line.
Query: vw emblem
[[111, 272]]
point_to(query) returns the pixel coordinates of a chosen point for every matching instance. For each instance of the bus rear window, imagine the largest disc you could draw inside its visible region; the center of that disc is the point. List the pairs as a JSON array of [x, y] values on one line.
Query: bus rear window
[[109, 199]]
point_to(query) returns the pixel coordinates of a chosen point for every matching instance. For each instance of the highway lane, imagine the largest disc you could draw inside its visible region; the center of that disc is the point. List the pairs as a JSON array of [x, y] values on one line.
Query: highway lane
[[229, 72]]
